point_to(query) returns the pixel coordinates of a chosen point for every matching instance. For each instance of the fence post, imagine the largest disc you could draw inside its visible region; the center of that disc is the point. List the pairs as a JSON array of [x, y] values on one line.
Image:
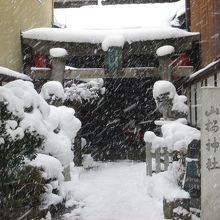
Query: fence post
[[157, 160], [78, 150], [148, 159], [166, 158]]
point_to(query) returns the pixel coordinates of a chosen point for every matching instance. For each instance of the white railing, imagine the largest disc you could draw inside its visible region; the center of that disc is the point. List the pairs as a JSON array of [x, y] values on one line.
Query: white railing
[[161, 156]]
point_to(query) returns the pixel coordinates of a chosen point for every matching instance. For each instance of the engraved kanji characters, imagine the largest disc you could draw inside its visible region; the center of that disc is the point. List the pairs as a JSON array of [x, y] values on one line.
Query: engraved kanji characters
[[214, 145], [211, 165]]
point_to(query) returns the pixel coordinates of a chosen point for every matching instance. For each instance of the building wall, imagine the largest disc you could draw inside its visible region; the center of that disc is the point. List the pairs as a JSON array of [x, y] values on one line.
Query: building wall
[[205, 18], [17, 16]]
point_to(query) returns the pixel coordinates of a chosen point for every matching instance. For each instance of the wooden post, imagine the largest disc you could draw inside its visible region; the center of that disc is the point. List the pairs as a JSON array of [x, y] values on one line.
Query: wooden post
[[166, 158], [148, 159], [157, 160], [58, 64], [78, 150]]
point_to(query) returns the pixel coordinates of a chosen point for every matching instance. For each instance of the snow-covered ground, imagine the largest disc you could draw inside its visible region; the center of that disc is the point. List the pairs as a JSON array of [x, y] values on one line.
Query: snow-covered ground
[[121, 191], [115, 191]]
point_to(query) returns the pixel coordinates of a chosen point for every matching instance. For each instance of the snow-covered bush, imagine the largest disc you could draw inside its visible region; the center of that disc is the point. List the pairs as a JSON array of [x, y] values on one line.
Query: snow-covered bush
[[169, 103], [19, 139], [87, 91], [63, 127], [53, 93], [175, 136], [29, 125], [51, 170], [61, 122]]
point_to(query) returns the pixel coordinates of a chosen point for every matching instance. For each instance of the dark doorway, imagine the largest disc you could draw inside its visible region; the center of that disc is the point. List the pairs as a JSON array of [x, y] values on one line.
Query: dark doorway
[[114, 126]]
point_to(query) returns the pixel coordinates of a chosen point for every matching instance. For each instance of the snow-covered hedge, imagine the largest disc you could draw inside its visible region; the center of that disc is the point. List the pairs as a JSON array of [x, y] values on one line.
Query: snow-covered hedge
[[30, 128]]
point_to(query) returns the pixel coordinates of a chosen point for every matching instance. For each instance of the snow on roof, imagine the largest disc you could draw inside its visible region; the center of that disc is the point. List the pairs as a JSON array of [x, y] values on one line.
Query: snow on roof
[[12, 73], [119, 16], [112, 23], [197, 73]]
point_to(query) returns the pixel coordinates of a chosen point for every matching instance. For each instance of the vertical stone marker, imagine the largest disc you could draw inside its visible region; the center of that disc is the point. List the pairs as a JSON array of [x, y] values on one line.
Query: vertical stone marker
[[210, 154]]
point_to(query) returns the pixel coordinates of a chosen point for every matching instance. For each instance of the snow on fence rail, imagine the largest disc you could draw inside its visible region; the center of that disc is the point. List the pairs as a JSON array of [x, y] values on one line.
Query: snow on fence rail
[[175, 140]]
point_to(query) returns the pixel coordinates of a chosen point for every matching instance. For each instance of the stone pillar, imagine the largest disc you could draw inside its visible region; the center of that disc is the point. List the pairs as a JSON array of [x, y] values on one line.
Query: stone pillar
[[58, 64], [210, 154], [164, 54]]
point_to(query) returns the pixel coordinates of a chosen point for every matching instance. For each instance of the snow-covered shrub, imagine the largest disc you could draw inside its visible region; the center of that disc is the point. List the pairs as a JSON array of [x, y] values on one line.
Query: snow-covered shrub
[[23, 195], [63, 127], [51, 170], [61, 122], [175, 136], [169, 103], [53, 93], [29, 125], [83, 97], [87, 91], [19, 139]]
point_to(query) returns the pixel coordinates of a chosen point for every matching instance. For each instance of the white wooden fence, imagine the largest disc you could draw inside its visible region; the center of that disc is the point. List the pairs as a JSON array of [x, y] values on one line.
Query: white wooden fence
[[160, 153]]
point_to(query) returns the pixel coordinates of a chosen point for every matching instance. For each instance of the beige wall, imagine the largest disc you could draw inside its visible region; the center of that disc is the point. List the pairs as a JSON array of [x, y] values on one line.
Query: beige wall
[[17, 16]]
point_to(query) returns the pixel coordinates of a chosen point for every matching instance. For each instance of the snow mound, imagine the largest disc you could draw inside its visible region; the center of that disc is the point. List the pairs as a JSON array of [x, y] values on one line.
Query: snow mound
[[88, 162], [58, 52], [52, 168], [164, 185], [165, 50], [113, 41], [52, 90]]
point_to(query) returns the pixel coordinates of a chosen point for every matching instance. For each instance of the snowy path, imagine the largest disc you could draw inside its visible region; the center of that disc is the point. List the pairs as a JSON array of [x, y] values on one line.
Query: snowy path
[[115, 191]]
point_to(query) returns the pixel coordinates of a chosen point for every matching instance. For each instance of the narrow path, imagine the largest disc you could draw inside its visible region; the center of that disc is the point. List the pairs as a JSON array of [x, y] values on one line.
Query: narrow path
[[115, 191]]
